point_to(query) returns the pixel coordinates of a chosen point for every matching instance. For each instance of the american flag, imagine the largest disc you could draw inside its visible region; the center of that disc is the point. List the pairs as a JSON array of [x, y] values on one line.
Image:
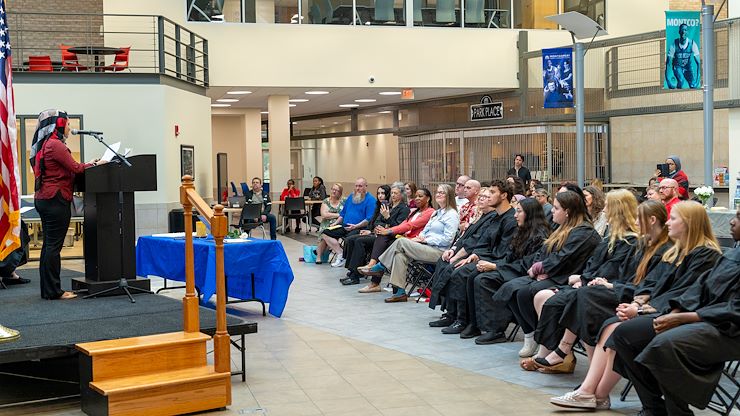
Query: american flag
[[10, 217]]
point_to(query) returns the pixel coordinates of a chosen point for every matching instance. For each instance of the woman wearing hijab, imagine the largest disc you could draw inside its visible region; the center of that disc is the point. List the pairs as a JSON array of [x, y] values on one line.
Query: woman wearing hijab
[[54, 170], [675, 173]]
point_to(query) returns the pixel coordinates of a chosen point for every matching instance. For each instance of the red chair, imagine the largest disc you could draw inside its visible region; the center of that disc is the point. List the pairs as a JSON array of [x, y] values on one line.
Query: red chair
[[121, 61], [70, 61], [39, 63]]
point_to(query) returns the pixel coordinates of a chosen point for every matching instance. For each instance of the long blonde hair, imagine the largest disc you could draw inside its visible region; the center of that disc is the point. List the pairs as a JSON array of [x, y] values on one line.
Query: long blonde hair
[[621, 207], [573, 204], [647, 209], [698, 232]]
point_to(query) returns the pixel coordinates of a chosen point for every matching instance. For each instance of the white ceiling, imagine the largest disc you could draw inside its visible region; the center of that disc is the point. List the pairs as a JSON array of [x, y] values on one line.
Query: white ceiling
[[329, 103]]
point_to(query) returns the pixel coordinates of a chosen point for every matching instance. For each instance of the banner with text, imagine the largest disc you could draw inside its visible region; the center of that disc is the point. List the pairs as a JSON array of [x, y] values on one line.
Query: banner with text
[[682, 45], [557, 77]]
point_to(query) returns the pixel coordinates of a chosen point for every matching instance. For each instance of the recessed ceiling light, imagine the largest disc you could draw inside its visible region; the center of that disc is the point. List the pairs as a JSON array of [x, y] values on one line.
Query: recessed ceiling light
[[294, 123], [220, 105], [317, 92], [239, 92], [384, 112], [366, 100], [336, 122], [227, 100], [323, 125], [349, 105], [390, 93], [264, 112], [291, 105], [298, 100]]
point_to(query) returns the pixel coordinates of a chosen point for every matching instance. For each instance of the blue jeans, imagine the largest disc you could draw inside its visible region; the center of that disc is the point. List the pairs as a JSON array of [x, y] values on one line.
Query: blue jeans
[[273, 225]]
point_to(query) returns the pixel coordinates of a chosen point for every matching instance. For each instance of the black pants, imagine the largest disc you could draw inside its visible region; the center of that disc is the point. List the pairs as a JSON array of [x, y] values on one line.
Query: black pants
[[55, 215], [356, 249], [488, 315], [381, 244], [522, 306]]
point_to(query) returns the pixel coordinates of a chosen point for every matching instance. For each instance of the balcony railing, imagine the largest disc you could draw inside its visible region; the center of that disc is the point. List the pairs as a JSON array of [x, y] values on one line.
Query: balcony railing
[[157, 44]]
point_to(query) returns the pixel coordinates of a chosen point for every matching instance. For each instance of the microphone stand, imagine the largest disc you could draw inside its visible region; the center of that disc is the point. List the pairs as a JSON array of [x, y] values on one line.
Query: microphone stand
[[122, 282]]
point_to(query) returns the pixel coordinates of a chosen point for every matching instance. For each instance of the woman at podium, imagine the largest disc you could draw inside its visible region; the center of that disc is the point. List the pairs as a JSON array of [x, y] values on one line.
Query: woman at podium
[[54, 171]]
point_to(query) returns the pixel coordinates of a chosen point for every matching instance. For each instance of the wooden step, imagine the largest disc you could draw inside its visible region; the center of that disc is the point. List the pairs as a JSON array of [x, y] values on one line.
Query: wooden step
[[128, 357], [172, 392]]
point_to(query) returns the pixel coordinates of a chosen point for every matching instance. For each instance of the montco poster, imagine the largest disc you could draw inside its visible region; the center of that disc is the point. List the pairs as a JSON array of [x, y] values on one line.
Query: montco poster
[[682, 46], [557, 77]]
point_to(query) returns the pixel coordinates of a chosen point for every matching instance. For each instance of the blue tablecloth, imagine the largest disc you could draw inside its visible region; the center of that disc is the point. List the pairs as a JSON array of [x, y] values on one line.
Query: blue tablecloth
[[165, 257]]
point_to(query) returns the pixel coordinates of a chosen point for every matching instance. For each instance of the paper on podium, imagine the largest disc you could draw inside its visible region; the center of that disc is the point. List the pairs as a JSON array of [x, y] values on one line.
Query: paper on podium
[[108, 155]]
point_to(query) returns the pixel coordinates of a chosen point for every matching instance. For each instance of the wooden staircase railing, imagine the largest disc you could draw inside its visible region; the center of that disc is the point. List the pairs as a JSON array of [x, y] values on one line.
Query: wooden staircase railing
[[189, 198]]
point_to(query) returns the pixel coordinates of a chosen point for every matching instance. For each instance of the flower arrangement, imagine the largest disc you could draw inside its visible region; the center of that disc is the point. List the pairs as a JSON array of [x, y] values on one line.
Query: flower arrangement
[[704, 193]]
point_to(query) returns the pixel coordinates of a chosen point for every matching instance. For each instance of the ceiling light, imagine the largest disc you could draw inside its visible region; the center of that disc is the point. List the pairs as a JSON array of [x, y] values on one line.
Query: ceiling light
[[294, 123], [239, 92], [317, 92], [349, 105], [291, 105], [323, 125], [220, 105], [366, 100], [298, 100], [384, 112], [264, 112], [227, 100], [390, 93]]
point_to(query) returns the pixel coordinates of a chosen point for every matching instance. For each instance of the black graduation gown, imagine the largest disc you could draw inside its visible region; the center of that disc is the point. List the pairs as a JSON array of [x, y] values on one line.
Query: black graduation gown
[[687, 360], [668, 281], [603, 263], [559, 265], [587, 310], [492, 237]]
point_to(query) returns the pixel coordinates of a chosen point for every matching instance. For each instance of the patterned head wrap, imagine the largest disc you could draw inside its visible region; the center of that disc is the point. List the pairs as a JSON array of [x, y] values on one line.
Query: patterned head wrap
[[51, 124]]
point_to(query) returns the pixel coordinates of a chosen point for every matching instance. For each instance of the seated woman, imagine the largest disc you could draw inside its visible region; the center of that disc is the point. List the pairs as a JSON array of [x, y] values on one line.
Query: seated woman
[[317, 193], [330, 209], [605, 264], [563, 254], [695, 251], [690, 342], [427, 247], [409, 228], [357, 247], [595, 204], [410, 189], [291, 192]]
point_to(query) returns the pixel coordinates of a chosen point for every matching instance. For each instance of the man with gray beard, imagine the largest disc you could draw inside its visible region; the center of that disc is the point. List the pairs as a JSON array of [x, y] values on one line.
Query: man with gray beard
[[356, 214]]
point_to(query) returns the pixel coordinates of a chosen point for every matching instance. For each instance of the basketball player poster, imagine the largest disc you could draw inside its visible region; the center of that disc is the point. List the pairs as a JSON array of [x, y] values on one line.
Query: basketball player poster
[[557, 77], [682, 45]]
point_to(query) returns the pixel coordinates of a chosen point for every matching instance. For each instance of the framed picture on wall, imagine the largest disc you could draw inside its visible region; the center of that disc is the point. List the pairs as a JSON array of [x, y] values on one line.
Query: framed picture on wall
[[187, 160]]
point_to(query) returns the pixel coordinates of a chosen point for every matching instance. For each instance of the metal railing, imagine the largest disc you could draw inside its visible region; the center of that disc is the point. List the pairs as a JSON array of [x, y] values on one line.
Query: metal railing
[[158, 45]]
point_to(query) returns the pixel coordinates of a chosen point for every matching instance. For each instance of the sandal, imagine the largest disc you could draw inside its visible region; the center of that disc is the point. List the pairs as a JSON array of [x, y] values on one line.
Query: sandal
[[67, 295], [528, 364], [567, 366]]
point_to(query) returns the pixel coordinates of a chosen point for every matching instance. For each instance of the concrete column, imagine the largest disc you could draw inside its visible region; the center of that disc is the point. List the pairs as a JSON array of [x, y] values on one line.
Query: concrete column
[[278, 134], [253, 141], [733, 118]]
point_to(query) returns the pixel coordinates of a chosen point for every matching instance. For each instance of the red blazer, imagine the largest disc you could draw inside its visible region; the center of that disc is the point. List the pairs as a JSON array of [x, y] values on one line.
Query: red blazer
[[288, 193], [414, 224]]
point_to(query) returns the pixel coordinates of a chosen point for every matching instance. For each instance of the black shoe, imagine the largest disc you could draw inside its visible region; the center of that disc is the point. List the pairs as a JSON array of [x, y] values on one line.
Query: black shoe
[[287, 230], [443, 322], [470, 331], [298, 230], [350, 281], [456, 328], [17, 281], [491, 338]]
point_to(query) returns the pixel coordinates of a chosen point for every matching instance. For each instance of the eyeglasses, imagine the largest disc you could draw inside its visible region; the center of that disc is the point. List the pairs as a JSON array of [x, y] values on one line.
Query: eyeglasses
[[440, 192], [459, 184], [666, 187]]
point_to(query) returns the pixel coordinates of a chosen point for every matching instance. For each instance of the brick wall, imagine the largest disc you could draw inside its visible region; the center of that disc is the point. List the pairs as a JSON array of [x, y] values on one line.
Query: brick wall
[[41, 34], [696, 5]]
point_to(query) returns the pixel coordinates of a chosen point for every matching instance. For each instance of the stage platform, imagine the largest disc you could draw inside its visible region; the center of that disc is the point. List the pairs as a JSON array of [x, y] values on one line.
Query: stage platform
[[50, 329]]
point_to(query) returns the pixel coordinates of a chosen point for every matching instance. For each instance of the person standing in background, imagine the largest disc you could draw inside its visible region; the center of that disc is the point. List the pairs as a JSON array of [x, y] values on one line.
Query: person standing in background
[[520, 170]]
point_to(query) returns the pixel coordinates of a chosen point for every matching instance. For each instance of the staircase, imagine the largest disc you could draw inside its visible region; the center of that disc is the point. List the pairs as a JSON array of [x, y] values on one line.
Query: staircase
[[165, 374]]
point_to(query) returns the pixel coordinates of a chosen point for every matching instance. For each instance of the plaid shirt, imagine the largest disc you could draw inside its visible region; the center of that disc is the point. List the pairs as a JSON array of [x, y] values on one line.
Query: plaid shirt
[[469, 214]]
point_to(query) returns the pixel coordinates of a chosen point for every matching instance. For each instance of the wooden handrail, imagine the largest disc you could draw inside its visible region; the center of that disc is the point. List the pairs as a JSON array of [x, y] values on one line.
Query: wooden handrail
[[190, 199]]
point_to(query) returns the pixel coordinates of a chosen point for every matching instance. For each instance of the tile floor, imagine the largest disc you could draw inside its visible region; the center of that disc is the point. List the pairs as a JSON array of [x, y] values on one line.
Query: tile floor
[[338, 352]]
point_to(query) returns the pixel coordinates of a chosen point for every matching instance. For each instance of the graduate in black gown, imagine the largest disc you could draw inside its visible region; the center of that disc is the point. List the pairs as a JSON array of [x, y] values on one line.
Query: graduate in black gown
[[563, 254], [680, 354], [695, 251], [491, 244], [605, 263]]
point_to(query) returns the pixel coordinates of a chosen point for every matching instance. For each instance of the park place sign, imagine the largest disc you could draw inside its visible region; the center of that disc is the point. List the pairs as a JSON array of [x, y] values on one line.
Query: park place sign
[[487, 110]]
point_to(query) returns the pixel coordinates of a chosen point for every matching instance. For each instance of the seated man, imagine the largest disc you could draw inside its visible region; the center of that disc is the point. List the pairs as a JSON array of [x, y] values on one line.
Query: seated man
[[16, 258], [356, 215], [668, 189], [469, 211], [254, 196], [456, 282]]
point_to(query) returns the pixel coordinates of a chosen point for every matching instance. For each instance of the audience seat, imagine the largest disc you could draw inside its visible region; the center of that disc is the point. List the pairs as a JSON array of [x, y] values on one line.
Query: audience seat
[[40, 63]]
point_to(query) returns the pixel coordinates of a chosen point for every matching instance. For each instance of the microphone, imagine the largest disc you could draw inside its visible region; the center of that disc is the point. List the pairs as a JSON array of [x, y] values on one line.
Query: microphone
[[81, 132]]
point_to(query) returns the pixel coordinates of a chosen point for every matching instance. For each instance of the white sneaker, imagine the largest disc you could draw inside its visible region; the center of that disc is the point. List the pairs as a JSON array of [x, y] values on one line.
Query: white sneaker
[[338, 262], [574, 399], [529, 348], [603, 404]]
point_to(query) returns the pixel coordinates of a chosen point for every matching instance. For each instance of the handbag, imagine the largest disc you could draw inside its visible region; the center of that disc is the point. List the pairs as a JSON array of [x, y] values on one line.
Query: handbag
[[309, 255]]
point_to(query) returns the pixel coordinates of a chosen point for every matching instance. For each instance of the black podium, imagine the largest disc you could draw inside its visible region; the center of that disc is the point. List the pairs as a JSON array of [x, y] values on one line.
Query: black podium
[[109, 243]]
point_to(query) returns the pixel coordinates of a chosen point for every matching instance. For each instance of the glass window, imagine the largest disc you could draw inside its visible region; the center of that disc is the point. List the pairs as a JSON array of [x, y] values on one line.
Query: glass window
[[205, 10], [328, 12], [594, 9], [339, 124], [444, 13]]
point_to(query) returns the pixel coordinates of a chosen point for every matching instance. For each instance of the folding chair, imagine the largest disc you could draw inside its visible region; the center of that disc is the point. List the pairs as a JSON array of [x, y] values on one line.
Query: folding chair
[[419, 274], [295, 208], [251, 218], [726, 396]]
